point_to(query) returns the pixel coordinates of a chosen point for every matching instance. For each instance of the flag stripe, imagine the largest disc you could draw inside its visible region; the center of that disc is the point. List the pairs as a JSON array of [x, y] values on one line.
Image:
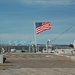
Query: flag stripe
[[42, 26]]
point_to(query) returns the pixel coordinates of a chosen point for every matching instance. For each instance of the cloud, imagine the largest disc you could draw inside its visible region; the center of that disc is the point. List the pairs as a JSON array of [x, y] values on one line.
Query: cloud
[[43, 38], [50, 2], [56, 36], [16, 36], [30, 36], [64, 20]]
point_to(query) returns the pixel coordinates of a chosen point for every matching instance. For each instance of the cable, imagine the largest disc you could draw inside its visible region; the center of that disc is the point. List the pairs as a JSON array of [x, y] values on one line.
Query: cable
[[62, 33]]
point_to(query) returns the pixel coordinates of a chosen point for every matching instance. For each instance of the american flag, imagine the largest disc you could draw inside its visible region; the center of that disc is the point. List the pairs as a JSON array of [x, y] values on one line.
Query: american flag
[[42, 26]]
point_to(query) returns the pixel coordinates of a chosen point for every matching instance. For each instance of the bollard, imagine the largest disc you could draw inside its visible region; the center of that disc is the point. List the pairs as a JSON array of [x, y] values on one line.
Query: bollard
[[1, 58], [4, 59]]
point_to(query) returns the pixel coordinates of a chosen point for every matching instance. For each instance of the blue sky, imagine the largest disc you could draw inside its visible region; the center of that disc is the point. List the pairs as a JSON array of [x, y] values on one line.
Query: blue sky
[[17, 18]]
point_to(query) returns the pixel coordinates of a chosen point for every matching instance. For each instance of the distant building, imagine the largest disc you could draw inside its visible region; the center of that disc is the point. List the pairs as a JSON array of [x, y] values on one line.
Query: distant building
[[74, 44]]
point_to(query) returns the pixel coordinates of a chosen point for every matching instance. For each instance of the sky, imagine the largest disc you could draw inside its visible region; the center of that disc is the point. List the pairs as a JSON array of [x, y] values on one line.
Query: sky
[[18, 17]]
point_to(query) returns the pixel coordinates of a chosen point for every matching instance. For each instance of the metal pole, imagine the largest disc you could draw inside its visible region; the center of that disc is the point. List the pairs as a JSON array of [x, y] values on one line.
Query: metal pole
[[35, 37]]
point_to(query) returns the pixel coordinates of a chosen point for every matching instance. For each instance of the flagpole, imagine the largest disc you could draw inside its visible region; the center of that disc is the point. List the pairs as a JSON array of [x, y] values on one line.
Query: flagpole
[[35, 36]]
